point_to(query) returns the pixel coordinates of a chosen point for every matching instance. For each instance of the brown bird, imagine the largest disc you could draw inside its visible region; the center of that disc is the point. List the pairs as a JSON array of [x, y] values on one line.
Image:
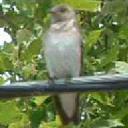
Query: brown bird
[[62, 52]]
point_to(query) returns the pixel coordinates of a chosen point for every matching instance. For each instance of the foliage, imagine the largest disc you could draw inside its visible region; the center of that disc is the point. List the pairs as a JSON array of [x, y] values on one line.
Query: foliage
[[104, 26]]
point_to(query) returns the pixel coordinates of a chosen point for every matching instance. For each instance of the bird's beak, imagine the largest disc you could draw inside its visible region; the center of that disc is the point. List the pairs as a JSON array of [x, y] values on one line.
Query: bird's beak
[[53, 11]]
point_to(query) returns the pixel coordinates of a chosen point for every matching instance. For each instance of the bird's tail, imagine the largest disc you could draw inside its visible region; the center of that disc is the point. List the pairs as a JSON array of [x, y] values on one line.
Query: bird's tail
[[67, 105]]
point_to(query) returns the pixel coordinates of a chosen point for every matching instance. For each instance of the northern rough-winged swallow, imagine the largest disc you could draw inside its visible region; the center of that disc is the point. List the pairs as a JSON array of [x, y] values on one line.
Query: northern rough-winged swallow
[[62, 52]]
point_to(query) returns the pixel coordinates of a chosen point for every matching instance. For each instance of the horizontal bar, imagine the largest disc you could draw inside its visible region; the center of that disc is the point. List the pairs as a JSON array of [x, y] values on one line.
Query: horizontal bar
[[81, 84]]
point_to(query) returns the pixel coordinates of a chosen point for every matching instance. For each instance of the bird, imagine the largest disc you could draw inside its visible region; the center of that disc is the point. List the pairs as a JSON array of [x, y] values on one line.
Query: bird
[[63, 55]]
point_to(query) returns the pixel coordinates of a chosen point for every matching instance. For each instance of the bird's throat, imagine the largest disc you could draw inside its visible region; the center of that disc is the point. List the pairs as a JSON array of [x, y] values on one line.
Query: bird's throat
[[65, 25]]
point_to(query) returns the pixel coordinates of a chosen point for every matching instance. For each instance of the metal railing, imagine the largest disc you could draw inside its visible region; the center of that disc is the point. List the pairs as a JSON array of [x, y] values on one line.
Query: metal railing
[[81, 84]]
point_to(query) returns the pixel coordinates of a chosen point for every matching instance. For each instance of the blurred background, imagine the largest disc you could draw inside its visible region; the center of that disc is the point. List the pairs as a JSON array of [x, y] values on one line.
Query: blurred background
[[104, 26]]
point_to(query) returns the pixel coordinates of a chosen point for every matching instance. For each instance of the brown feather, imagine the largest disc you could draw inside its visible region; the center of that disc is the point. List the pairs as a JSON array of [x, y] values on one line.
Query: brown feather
[[64, 118]]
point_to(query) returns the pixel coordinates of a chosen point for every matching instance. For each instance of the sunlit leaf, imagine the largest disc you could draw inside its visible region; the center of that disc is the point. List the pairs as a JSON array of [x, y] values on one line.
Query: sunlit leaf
[[89, 5], [22, 123], [92, 38], [9, 112], [33, 49], [40, 99]]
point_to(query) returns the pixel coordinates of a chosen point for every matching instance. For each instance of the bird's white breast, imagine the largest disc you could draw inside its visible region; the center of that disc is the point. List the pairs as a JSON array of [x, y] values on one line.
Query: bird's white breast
[[62, 52]]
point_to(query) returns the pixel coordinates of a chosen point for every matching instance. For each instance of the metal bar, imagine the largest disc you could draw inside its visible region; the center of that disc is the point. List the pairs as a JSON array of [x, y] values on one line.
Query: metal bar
[[81, 84]]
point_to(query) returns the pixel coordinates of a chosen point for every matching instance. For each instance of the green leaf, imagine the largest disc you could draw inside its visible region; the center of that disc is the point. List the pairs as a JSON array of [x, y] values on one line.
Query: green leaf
[[102, 123], [22, 123], [5, 63], [9, 112], [37, 116], [40, 99], [8, 48], [28, 71], [89, 5], [110, 57], [103, 98], [123, 33], [2, 80], [92, 38], [23, 35], [120, 114], [33, 49], [26, 7], [2, 23], [52, 124]]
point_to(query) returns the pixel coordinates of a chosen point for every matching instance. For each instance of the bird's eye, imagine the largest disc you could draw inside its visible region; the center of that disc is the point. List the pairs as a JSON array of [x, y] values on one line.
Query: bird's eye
[[62, 10]]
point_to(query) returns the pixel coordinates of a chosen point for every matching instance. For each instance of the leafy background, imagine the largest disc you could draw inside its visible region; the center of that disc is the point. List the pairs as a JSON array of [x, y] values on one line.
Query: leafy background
[[104, 25]]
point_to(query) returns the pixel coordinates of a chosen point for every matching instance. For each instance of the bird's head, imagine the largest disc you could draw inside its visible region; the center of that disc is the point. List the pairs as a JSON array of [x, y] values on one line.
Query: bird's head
[[61, 13]]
